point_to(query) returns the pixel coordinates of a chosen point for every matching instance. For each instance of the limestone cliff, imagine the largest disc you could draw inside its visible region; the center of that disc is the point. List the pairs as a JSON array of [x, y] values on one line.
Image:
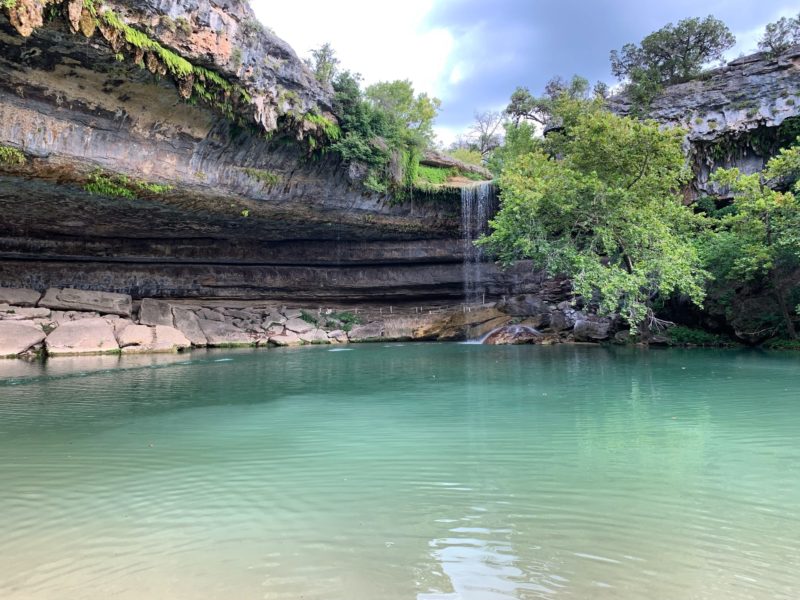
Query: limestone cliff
[[736, 115], [166, 152]]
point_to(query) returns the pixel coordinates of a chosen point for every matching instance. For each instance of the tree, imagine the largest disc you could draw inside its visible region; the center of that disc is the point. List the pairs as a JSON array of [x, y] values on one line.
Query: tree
[[485, 131], [607, 213], [759, 237], [397, 100], [674, 52], [524, 106], [520, 139], [780, 36], [323, 63]]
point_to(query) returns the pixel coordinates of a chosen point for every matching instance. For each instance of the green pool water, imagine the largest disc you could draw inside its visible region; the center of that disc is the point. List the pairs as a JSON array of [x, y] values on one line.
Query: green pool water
[[427, 472]]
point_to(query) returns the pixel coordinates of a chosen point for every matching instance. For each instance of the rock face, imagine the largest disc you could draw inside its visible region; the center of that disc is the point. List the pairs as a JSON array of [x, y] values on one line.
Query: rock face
[[732, 115], [237, 216]]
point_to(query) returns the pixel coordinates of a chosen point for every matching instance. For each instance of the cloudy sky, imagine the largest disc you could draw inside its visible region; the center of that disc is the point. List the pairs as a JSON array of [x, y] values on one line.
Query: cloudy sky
[[473, 53]]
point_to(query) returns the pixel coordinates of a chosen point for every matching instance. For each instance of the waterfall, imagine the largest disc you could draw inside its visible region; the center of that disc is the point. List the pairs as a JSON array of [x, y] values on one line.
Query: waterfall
[[478, 203]]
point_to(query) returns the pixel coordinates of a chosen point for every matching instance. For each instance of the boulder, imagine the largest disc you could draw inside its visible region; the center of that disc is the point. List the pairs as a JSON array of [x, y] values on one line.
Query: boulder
[[591, 330], [223, 335], [169, 339], [189, 325], [155, 312], [292, 313], [119, 325], [315, 336], [20, 313], [140, 339], [287, 339], [210, 315], [135, 335], [298, 325], [513, 335], [338, 337], [17, 337], [19, 296], [561, 320], [83, 300], [371, 332], [86, 336], [60, 316]]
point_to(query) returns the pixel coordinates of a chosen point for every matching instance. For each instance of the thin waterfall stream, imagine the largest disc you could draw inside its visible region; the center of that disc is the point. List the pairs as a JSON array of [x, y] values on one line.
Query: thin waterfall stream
[[478, 203]]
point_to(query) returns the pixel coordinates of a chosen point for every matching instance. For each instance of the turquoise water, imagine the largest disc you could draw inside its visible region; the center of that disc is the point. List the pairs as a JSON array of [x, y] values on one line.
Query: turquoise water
[[428, 472]]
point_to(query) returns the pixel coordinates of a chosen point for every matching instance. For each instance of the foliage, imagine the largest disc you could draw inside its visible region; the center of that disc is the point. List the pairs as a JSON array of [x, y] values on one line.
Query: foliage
[[673, 53], [465, 155], [606, 213], [686, 336], [323, 63], [520, 139], [524, 106], [385, 128], [780, 36], [434, 175], [759, 238], [347, 320], [11, 156], [121, 186], [308, 317], [8, 3], [414, 113]]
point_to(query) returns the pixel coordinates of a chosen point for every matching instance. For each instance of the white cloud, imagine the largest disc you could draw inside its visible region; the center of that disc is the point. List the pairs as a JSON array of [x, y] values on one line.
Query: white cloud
[[380, 42]]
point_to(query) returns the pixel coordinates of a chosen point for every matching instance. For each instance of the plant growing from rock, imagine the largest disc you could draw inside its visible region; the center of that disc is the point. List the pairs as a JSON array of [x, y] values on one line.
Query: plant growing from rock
[[780, 36]]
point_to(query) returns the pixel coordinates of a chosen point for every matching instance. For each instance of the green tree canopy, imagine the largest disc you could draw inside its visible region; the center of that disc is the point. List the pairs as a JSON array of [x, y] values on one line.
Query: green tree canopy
[[780, 35], [607, 213], [758, 237], [413, 112], [323, 63], [674, 52]]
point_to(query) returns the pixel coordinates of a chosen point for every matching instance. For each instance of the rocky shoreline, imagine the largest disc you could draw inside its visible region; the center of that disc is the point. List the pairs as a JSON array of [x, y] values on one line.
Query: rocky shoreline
[[61, 322]]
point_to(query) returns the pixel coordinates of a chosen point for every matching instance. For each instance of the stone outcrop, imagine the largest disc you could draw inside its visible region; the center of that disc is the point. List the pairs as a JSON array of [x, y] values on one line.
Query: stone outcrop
[[732, 114]]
